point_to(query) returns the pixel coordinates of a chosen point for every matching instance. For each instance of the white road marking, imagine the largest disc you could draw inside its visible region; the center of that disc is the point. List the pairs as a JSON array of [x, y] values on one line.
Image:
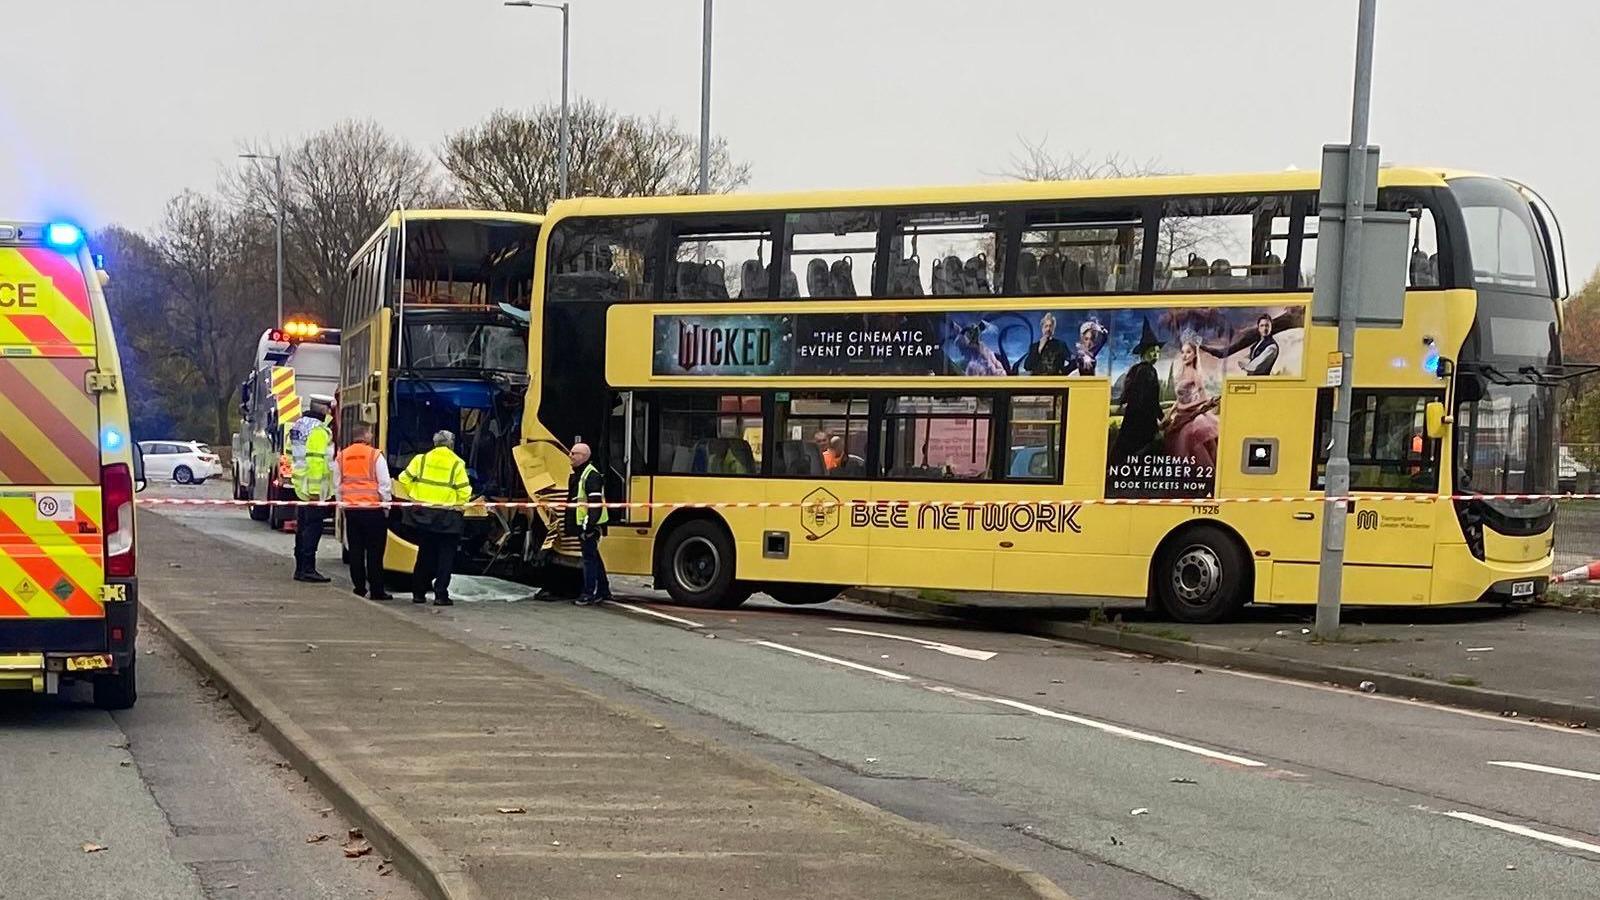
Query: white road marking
[[1404, 701], [1548, 770], [952, 649], [660, 615], [893, 676], [1106, 727], [1525, 831]]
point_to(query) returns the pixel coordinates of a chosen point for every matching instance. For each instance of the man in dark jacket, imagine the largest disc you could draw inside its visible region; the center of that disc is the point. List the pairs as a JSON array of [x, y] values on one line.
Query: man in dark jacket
[[586, 517]]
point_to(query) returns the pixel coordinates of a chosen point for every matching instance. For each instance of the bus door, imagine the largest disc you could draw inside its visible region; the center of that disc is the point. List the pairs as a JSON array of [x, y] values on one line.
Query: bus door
[[1389, 537], [625, 446]]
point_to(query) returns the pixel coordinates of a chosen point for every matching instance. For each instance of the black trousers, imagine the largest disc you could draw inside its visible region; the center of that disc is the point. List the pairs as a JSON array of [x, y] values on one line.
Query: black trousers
[[367, 531], [307, 535], [436, 554]]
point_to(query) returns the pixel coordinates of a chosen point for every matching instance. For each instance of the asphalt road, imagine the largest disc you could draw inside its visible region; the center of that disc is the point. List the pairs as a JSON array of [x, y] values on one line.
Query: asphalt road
[[1116, 776], [184, 799]]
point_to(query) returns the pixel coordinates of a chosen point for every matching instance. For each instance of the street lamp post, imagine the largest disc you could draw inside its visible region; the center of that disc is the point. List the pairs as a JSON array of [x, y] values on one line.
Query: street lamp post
[[705, 99], [1330, 574], [277, 169], [566, 132]]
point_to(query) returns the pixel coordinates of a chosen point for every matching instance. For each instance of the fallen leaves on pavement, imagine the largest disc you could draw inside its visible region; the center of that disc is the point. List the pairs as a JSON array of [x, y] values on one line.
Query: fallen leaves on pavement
[[356, 849], [317, 838], [89, 847]]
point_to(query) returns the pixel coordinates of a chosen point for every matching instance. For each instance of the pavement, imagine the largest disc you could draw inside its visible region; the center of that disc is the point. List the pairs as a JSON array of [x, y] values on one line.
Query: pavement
[[184, 799], [1114, 774], [1540, 660], [484, 777]]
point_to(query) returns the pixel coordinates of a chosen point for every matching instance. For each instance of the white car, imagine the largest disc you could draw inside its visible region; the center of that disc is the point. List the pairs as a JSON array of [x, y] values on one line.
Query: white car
[[186, 462]]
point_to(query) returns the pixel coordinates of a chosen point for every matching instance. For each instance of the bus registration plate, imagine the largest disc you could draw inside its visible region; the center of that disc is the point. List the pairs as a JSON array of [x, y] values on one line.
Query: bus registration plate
[[88, 663], [1522, 589]]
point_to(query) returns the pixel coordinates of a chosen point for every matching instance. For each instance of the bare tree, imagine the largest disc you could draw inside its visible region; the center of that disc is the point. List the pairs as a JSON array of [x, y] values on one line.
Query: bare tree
[[339, 184], [510, 161], [213, 306], [1177, 236]]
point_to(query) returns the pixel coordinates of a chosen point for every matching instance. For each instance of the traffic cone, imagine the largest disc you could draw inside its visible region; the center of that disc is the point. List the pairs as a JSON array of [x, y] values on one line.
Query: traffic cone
[[1589, 572]]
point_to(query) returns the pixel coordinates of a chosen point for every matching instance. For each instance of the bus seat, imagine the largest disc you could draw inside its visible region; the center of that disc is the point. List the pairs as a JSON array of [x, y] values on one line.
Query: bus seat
[[852, 466], [1028, 273], [1071, 275], [1089, 276], [700, 462], [688, 280], [752, 280], [844, 279], [818, 283], [1197, 269], [714, 280], [797, 458], [1271, 271], [1433, 269], [941, 285], [1050, 273], [977, 275], [1419, 268], [789, 286], [910, 277], [1221, 274]]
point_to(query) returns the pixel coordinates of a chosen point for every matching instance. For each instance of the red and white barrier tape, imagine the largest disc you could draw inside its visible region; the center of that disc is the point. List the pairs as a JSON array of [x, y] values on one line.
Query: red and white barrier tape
[[561, 505]]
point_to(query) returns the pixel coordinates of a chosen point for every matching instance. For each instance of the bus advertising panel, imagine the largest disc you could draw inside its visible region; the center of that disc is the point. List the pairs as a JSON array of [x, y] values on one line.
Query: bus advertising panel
[[1166, 365]]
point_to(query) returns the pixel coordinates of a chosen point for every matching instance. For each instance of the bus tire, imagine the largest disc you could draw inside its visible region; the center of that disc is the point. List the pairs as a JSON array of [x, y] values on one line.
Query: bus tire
[[1200, 576], [802, 594], [117, 691], [697, 566]]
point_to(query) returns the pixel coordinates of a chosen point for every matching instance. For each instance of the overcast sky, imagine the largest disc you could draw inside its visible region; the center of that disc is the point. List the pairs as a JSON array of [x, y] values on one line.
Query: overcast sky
[[111, 106]]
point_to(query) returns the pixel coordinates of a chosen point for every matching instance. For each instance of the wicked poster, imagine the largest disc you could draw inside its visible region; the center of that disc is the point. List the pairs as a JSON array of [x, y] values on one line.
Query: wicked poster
[[1167, 368]]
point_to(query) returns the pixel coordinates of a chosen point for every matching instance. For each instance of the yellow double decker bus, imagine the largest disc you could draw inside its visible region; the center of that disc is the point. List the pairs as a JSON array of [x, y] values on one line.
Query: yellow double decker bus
[[1052, 388], [436, 338]]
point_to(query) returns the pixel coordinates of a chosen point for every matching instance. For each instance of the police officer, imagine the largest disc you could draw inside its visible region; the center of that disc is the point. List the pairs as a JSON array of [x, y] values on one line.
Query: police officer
[[587, 515], [311, 449], [362, 475], [437, 478]]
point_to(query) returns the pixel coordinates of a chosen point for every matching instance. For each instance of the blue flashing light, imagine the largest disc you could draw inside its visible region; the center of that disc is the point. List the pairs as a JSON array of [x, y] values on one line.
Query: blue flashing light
[[1430, 361], [111, 439], [63, 235]]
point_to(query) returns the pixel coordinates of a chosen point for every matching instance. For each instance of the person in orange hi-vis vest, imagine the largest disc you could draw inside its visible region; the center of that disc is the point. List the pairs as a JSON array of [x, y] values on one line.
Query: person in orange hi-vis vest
[[362, 476]]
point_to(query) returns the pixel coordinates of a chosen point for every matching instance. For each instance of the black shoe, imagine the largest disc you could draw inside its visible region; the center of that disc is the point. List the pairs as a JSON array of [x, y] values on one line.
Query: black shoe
[[444, 601], [306, 577], [419, 598], [359, 591], [584, 601], [382, 596], [315, 577]]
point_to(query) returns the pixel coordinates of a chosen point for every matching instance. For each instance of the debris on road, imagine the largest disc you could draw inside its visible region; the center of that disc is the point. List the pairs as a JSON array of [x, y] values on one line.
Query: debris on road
[[1183, 781], [89, 847], [316, 838], [355, 834], [357, 849], [1115, 842], [1479, 649], [309, 647], [1141, 811], [510, 810], [1368, 687]]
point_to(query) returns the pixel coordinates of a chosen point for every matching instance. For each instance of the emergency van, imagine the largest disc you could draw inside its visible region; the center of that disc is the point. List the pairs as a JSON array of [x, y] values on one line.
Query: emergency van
[[68, 472]]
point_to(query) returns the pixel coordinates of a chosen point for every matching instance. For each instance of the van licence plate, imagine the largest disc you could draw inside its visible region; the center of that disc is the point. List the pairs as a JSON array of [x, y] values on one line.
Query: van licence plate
[[1522, 589]]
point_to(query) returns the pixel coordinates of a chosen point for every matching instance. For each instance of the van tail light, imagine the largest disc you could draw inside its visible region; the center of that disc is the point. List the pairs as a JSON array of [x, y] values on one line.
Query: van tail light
[[116, 510]]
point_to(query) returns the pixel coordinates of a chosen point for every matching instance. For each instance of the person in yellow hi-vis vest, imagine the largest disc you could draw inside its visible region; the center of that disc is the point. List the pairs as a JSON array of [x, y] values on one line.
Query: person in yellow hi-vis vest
[[439, 479], [311, 448], [587, 516]]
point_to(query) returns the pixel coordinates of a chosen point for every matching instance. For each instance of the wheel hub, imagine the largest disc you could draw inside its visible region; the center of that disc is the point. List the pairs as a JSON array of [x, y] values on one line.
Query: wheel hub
[[696, 564], [1196, 576]]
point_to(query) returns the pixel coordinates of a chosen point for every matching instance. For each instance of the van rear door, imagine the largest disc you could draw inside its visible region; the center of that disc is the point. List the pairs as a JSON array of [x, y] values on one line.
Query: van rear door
[[51, 541]]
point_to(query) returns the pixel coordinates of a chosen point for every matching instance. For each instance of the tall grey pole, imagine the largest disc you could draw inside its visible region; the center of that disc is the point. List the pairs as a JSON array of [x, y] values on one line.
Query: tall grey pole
[[1335, 512], [277, 166], [566, 127], [705, 100]]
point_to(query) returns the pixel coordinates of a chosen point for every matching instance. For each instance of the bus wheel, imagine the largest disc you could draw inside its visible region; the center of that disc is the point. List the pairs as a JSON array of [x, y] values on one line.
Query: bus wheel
[[802, 594], [1200, 576], [119, 691], [697, 567]]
